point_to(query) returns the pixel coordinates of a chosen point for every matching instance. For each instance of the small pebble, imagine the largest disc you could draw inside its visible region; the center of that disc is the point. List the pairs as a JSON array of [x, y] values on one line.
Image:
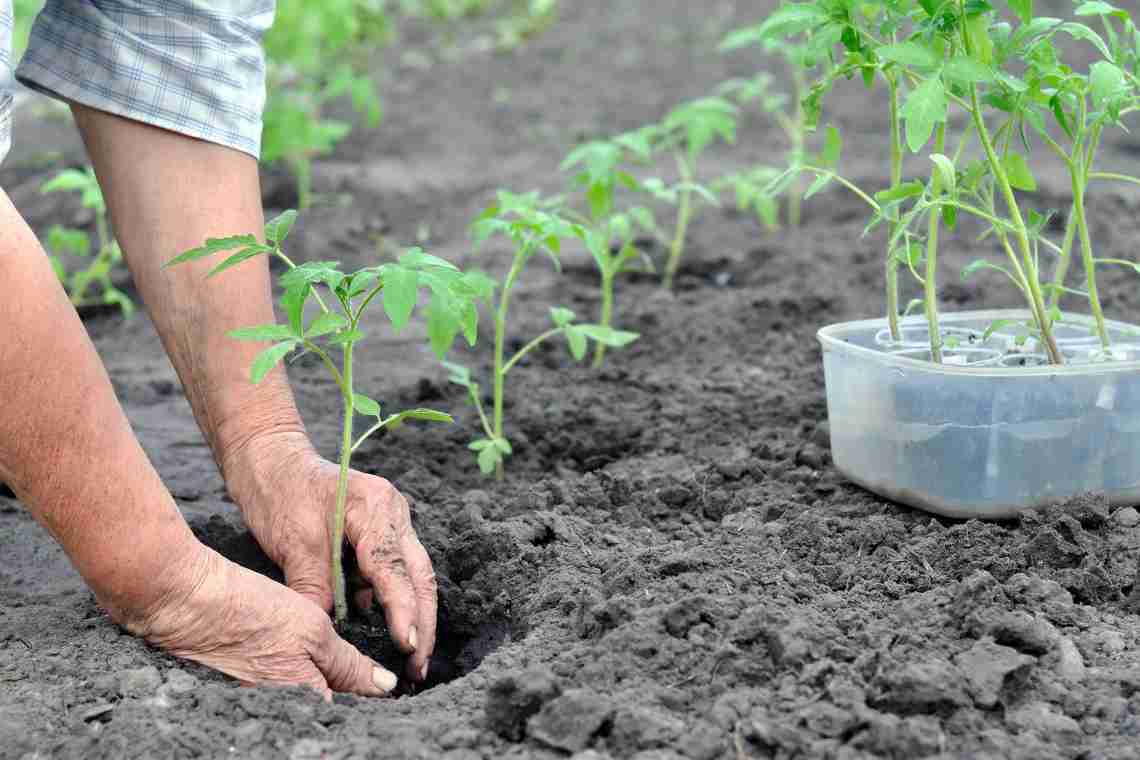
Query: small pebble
[[1127, 517]]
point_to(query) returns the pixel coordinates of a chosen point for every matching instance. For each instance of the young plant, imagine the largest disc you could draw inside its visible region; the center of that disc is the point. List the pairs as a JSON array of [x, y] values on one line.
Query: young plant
[[533, 228], [103, 254], [687, 132], [304, 39], [339, 326], [800, 59], [609, 233]]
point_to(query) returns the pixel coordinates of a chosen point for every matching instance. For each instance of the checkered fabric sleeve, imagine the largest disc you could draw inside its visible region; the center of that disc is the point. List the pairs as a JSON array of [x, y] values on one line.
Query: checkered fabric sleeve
[[5, 64], [191, 66]]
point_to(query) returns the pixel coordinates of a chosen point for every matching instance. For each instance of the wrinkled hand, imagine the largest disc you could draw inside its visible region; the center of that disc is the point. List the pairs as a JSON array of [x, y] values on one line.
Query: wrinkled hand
[[260, 632], [287, 494]]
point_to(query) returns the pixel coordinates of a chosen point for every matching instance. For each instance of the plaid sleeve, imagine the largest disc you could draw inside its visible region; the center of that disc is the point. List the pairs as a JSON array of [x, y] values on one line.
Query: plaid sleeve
[[5, 65], [191, 66]]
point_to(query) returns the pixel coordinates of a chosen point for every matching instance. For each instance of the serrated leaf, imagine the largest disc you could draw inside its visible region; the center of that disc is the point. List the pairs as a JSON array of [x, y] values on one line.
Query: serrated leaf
[[400, 293], [965, 69], [417, 258], [791, 20], [1018, 172], [326, 323], [243, 255], [1106, 83], [293, 303], [926, 106], [443, 323], [262, 333], [268, 359], [910, 54], [278, 228]]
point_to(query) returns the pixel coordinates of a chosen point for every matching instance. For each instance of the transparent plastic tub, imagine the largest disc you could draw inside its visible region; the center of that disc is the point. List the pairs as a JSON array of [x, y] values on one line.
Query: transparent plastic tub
[[993, 430]]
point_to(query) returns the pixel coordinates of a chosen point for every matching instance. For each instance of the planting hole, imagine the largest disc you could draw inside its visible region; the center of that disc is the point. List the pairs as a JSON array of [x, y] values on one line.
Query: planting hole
[[466, 633]]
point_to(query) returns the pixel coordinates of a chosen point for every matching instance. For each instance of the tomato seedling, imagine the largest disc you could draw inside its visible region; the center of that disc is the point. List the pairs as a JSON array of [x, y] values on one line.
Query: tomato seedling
[[339, 326], [303, 40], [103, 253], [532, 227], [610, 233], [799, 59]]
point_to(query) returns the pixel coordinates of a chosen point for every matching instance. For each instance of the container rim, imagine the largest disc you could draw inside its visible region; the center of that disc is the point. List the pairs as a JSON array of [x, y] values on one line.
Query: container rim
[[830, 338]]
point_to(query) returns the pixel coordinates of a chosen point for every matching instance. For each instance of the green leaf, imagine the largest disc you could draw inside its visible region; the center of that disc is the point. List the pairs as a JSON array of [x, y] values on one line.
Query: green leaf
[[832, 148], [1106, 83], [739, 38], [1099, 8], [263, 333], [270, 358], [212, 246], [608, 336], [1082, 32], [365, 405], [965, 69], [293, 303], [416, 258], [1022, 8], [325, 323], [791, 20], [503, 445], [910, 54], [311, 273], [401, 291], [243, 255], [278, 228], [900, 192], [977, 29], [480, 444], [426, 415], [979, 264], [561, 316], [489, 458], [1018, 172], [458, 374], [946, 172], [443, 323], [926, 106], [576, 340]]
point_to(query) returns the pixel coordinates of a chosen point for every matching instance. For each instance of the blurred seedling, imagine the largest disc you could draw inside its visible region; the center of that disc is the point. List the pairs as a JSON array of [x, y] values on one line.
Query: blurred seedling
[[339, 326], [91, 283]]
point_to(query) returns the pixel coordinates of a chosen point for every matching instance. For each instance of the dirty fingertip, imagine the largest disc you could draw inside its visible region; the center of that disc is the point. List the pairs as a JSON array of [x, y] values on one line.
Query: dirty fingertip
[[413, 638], [384, 680]]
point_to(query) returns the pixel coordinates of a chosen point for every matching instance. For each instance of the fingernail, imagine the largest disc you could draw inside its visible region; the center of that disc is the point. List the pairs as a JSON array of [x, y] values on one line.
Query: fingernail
[[424, 670], [385, 681], [413, 638]]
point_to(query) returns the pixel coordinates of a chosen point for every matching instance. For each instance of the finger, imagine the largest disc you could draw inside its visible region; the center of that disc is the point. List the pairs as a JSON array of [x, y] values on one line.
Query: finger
[[424, 586], [347, 670], [386, 569], [311, 580]]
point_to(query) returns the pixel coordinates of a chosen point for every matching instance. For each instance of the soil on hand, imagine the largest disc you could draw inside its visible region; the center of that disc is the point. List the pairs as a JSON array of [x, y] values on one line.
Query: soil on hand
[[672, 568]]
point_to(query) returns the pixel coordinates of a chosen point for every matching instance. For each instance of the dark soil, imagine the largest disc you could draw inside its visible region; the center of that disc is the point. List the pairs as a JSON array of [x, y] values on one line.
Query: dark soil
[[672, 568]]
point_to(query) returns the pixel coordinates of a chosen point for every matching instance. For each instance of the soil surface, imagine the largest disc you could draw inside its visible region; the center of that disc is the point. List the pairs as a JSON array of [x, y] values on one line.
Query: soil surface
[[672, 568]]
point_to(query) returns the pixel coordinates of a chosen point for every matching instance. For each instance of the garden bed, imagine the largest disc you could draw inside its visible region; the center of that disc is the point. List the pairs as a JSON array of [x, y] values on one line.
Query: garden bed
[[671, 567]]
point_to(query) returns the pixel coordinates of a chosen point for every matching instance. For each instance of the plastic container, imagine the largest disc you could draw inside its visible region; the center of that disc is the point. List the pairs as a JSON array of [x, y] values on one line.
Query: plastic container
[[995, 429]]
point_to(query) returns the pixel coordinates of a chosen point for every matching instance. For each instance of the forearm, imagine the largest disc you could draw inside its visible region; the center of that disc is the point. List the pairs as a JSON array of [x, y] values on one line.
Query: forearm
[[167, 193], [66, 448]]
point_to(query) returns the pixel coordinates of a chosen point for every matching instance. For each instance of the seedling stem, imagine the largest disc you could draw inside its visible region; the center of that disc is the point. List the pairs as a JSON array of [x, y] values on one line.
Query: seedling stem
[[684, 212]]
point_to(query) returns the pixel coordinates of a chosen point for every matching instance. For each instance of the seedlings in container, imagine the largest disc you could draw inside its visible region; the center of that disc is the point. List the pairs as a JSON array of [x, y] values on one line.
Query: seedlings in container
[[103, 253], [1009, 82], [340, 326], [532, 227]]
